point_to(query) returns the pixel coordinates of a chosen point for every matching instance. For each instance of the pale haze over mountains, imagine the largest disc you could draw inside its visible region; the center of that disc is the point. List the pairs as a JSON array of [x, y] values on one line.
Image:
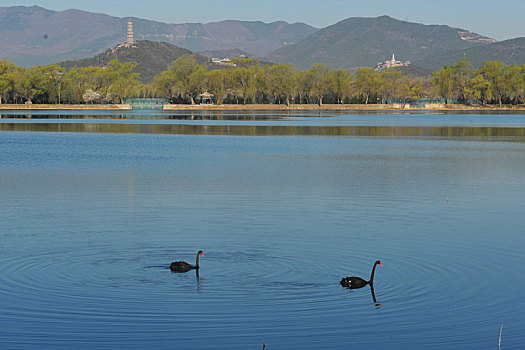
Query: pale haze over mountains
[[34, 35], [502, 19]]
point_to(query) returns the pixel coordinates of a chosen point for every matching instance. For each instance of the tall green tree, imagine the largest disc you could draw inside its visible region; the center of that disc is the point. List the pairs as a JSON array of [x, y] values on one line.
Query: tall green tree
[[303, 86], [462, 72], [124, 83], [478, 88], [31, 83], [282, 82], [187, 76], [6, 78], [367, 82], [215, 83], [54, 74], [390, 84], [514, 82], [79, 80], [339, 84], [522, 69], [165, 84], [318, 75], [241, 80], [443, 82], [408, 90], [262, 88], [493, 72]]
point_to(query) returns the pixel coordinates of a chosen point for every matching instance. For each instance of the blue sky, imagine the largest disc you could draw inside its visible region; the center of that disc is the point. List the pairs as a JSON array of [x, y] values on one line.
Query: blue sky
[[502, 19]]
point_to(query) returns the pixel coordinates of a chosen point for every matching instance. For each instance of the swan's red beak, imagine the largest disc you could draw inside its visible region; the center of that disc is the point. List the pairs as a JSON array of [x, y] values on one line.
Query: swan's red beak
[[202, 254], [380, 264]]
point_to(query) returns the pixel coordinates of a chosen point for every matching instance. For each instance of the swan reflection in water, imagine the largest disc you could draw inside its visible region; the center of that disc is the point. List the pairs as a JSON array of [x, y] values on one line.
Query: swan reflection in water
[[357, 282]]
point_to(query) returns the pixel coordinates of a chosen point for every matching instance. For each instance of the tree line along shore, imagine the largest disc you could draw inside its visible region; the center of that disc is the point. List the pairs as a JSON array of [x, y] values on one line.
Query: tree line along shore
[[250, 83]]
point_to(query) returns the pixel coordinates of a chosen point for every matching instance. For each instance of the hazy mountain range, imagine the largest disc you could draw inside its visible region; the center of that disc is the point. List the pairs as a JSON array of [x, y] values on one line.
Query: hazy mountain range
[[34, 35]]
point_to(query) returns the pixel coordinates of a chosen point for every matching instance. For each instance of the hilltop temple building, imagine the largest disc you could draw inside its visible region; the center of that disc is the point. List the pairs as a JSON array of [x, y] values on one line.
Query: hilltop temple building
[[381, 66]]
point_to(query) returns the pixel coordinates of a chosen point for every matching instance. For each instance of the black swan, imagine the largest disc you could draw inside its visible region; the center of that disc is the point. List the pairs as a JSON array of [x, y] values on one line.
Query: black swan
[[182, 266], [358, 282]]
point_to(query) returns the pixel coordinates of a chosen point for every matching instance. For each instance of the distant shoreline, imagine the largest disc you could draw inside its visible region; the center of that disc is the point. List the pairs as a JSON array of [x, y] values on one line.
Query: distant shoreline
[[263, 107]]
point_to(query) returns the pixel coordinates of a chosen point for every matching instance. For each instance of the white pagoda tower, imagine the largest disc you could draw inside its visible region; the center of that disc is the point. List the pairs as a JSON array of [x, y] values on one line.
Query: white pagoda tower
[[130, 39]]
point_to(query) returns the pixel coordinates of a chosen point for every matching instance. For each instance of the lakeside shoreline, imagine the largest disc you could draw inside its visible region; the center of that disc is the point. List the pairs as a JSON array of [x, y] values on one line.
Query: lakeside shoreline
[[37, 107], [263, 107]]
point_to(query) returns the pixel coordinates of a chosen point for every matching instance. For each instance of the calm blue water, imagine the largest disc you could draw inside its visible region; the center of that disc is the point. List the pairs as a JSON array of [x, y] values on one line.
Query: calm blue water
[[89, 223]]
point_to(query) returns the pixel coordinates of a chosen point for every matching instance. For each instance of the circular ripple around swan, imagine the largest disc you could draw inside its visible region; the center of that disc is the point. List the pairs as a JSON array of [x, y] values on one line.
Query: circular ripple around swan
[[112, 285], [439, 284]]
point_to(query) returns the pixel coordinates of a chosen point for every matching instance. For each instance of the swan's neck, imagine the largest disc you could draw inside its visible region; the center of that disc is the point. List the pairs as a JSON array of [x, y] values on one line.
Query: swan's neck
[[372, 275], [197, 262]]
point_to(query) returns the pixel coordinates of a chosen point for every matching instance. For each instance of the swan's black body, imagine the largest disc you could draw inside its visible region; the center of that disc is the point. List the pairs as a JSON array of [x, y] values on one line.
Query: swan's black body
[[358, 282], [182, 266], [353, 282]]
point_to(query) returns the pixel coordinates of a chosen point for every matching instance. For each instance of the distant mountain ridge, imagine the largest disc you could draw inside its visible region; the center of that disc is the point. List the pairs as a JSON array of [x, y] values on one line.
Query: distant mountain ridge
[[256, 38], [508, 51], [361, 42], [34, 35]]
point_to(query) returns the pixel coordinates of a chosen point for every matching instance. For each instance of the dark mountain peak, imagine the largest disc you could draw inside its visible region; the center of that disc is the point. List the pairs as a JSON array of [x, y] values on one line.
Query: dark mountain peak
[[365, 41], [279, 23], [31, 8], [367, 20], [69, 11], [36, 8], [388, 18]]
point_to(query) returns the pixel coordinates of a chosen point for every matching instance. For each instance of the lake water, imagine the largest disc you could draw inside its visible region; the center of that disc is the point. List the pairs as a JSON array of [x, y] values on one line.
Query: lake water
[[94, 207]]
